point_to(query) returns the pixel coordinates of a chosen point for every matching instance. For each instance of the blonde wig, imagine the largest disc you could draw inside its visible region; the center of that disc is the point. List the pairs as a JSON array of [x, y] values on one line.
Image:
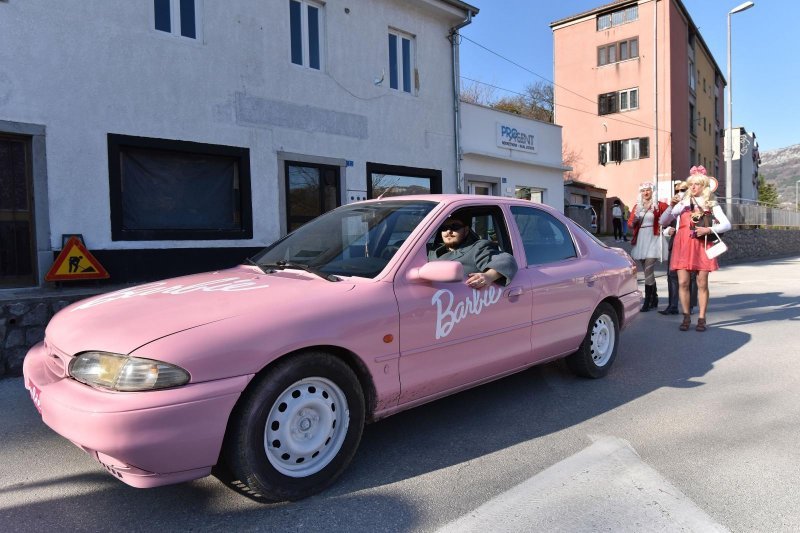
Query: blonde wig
[[707, 199]]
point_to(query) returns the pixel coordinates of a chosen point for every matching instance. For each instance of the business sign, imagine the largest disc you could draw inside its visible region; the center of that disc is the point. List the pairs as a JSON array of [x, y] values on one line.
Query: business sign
[[515, 139]]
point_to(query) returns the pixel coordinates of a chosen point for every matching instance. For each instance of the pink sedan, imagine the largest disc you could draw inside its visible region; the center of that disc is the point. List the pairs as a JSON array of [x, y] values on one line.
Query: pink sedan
[[265, 374]]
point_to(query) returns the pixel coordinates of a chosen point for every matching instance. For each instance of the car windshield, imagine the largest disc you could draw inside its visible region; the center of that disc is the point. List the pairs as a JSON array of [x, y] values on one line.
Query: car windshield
[[353, 240]]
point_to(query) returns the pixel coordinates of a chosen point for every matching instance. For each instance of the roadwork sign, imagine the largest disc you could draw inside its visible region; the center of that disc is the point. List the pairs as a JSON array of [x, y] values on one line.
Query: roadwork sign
[[75, 263]]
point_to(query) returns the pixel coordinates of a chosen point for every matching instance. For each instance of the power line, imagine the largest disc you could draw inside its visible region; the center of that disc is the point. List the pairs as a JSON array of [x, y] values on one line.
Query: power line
[[592, 101], [592, 113]]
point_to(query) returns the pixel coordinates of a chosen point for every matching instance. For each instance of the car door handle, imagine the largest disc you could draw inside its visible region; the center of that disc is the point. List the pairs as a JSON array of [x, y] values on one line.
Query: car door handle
[[589, 280], [514, 291]]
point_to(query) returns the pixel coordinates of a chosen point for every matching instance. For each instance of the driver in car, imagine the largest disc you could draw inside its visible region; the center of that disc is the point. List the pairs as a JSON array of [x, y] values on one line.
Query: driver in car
[[483, 261]]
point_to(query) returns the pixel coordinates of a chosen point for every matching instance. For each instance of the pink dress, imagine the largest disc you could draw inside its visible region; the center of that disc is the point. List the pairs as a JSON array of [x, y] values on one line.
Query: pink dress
[[689, 253]]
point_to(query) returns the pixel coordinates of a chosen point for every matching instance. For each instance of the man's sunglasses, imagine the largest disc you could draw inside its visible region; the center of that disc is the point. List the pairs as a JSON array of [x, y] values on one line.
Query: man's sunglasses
[[681, 190], [453, 226]]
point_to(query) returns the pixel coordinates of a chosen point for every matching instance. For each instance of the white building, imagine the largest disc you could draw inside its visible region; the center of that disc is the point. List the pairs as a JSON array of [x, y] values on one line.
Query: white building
[[178, 136], [509, 155], [744, 170]]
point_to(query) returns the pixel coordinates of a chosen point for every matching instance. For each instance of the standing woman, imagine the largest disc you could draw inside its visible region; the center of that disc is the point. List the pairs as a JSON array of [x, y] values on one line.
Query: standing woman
[[647, 244], [695, 212]]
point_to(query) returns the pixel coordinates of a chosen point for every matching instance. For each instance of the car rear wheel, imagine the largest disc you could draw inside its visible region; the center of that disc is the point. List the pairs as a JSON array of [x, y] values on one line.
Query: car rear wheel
[[295, 430], [599, 347]]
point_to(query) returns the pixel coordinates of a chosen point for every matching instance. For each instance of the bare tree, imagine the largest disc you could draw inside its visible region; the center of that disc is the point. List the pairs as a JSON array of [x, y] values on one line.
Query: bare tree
[[570, 158], [478, 93]]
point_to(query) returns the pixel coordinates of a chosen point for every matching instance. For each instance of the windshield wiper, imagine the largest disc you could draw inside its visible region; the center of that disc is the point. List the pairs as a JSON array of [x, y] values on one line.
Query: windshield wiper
[[259, 265], [282, 265]]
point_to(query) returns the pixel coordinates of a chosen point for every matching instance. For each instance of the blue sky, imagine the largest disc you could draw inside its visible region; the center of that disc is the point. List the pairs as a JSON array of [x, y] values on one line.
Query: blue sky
[[765, 45]]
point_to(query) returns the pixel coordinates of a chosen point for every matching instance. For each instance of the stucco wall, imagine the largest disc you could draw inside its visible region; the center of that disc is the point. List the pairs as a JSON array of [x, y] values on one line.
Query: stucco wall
[[539, 169]]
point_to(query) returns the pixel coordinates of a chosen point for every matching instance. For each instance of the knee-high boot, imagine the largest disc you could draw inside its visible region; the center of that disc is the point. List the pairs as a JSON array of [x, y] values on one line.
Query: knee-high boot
[[648, 298], [654, 297]]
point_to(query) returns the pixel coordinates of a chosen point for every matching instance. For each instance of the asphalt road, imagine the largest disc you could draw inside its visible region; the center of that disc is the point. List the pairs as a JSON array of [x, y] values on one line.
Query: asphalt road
[[688, 432]]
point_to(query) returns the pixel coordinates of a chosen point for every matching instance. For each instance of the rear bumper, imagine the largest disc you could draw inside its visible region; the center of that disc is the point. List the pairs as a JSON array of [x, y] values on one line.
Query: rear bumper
[[146, 439], [631, 303]]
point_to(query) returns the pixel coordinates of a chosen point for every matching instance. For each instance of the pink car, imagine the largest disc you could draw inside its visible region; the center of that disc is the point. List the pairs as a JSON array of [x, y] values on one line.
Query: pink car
[[266, 373]]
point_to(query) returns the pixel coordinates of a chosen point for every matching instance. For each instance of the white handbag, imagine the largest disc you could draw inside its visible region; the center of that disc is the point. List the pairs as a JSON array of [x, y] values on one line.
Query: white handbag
[[718, 249]]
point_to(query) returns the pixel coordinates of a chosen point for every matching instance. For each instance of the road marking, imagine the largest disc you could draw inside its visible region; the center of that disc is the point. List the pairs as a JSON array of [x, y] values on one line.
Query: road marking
[[605, 487]]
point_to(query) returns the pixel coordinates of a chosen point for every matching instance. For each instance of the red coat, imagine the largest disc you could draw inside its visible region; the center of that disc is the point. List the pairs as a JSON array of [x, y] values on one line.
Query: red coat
[[660, 207]]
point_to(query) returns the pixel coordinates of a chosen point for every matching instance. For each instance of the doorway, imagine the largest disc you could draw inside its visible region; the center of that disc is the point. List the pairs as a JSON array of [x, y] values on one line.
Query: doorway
[[17, 242], [481, 188]]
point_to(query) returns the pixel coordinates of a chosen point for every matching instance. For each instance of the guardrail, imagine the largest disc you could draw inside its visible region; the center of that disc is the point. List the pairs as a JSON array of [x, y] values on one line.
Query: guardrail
[[751, 213]]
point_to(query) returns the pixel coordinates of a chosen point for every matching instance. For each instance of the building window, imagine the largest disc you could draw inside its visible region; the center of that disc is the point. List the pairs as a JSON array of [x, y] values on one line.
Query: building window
[[617, 101], [692, 120], [624, 150], [692, 78], [175, 190], [306, 27], [392, 180], [311, 190], [615, 18], [178, 17], [401, 61], [619, 51]]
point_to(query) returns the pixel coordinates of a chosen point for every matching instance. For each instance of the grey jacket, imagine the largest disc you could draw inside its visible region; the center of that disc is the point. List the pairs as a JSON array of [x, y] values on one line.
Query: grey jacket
[[478, 255]]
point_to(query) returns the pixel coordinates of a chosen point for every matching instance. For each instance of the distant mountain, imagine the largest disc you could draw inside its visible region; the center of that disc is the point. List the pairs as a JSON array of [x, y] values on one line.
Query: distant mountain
[[782, 168]]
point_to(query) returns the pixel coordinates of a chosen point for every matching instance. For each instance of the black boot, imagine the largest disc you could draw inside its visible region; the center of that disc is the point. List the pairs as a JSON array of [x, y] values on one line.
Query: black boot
[[654, 298], [648, 298]]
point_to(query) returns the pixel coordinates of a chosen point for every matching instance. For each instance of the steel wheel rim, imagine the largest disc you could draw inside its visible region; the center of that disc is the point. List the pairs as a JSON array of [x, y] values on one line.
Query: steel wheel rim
[[306, 427], [602, 340]]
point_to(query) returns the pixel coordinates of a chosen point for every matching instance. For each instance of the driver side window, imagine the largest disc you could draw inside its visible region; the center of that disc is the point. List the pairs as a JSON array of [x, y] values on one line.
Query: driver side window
[[487, 222]]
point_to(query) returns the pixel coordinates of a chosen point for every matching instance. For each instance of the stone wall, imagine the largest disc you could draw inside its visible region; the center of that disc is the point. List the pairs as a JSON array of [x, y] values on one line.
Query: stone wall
[[22, 325], [757, 244], [22, 321]]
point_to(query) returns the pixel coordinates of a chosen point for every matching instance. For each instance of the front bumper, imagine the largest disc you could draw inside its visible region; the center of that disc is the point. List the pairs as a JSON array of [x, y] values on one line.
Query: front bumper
[[146, 439]]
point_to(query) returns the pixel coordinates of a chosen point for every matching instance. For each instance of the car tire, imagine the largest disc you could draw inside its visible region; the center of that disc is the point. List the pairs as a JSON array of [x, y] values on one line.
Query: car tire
[[295, 430], [599, 347]]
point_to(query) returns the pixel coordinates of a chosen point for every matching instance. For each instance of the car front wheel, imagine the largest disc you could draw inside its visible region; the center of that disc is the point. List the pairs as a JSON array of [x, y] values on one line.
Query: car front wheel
[[295, 430], [599, 347]]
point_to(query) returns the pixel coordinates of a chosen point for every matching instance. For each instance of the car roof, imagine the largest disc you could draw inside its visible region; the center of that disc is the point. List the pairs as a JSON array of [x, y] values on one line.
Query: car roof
[[453, 199]]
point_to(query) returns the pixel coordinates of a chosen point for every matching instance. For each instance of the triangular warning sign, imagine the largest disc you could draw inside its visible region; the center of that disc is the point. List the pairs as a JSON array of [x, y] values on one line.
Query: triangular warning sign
[[75, 262]]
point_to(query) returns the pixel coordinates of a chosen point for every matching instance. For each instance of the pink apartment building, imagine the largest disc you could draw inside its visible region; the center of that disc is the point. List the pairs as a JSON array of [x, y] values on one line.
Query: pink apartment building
[[639, 97]]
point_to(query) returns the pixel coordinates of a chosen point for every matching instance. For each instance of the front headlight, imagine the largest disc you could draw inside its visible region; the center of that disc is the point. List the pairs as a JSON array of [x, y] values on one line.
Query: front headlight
[[124, 373]]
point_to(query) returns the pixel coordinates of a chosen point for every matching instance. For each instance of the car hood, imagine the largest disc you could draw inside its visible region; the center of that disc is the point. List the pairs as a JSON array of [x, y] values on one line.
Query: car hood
[[124, 320]]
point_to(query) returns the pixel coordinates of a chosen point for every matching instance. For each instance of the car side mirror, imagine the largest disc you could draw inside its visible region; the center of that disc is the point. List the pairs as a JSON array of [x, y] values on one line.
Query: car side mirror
[[438, 271]]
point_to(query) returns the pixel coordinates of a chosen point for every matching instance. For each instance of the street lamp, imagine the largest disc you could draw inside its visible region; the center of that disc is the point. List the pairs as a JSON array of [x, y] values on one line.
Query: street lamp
[[729, 161]]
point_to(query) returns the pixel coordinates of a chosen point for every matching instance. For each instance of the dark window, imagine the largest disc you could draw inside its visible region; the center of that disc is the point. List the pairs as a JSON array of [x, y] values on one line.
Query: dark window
[[177, 190], [393, 61], [311, 190], [391, 180], [313, 37], [619, 51], [406, 65], [162, 11], [188, 26], [544, 237], [607, 103], [297, 34]]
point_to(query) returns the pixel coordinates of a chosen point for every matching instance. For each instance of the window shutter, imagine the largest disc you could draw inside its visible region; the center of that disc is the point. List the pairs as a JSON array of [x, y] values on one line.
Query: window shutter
[[603, 155], [644, 147], [616, 151], [613, 102]]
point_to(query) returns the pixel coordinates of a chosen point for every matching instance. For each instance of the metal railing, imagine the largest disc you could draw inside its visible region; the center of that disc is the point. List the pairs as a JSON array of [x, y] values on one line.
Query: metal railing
[[751, 213]]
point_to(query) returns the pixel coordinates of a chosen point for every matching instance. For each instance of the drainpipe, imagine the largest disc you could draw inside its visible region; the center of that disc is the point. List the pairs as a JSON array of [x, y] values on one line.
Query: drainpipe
[[453, 37], [655, 91]]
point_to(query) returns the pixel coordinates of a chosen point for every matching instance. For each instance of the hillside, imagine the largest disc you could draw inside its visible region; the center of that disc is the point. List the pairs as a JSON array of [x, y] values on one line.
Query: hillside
[[782, 167]]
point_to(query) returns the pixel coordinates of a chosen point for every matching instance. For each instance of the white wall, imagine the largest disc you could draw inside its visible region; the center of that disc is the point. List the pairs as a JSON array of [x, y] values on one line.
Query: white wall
[[86, 69], [540, 169]]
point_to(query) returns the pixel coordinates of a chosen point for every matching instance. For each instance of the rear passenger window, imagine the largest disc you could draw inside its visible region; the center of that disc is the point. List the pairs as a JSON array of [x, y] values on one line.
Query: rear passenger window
[[545, 238]]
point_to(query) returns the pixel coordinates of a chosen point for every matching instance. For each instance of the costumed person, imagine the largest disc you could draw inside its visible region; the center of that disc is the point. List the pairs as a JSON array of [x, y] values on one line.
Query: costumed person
[[625, 214], [616, 220], [483, 261], [673, 304], [699, 216], [647, 244]]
